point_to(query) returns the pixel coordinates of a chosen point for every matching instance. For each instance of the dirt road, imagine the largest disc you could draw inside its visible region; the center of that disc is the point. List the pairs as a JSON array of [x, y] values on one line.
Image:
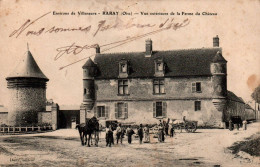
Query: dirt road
[[207, 147]]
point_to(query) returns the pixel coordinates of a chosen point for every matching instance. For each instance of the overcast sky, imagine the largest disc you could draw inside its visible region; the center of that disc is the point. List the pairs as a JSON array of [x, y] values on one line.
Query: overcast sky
[[236, 23]]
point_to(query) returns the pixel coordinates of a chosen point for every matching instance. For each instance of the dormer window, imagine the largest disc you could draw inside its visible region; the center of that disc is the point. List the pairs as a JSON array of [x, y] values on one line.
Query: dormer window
[[159, 68], [123, 69]]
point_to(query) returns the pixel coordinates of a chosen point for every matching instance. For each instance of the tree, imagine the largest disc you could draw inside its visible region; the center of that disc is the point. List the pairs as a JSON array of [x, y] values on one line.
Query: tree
[[256, 94]]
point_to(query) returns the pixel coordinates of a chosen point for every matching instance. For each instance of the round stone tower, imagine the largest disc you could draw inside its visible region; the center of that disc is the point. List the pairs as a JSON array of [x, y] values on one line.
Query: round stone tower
[[218, 69], [27, 90], [89, 71]]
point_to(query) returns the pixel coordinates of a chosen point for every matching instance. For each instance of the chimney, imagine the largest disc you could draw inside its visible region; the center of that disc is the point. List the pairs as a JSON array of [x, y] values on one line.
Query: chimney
[[148, 47], [97, 49], [216, 41]]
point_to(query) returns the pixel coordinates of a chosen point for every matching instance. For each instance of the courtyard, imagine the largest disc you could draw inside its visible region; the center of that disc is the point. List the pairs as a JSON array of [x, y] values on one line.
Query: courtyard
[[205, 147]]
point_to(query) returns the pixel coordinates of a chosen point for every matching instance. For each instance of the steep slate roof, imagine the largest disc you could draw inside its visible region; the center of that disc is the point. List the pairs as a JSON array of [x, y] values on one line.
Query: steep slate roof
[[89, 63], [27, 68], [219, 58], [233, 97], [190, 62]]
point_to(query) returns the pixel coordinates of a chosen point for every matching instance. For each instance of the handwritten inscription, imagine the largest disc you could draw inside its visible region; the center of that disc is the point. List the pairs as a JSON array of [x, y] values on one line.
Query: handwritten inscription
[[103, 25], [75, 49]]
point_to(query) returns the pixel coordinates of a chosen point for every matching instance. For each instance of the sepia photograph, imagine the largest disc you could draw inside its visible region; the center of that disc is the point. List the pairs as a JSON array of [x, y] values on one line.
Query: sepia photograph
[[130, 83]]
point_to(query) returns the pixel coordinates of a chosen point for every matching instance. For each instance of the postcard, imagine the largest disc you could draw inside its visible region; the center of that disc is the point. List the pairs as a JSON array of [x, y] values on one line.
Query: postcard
[[129, 83]]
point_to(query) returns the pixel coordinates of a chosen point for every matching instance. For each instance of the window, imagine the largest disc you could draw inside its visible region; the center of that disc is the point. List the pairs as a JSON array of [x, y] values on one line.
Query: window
[[197, 105], [158, 86], [123, 68], [85, 91], [196, 87], [101, 111], [159, 109], [121, 110], [122, 87], [159, 66]]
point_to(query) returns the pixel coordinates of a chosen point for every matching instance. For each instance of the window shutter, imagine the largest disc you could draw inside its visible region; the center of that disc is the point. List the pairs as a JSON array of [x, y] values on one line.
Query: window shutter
[[154, 109], [126, 110], [95, 111], [164, 109], [107, 111], [193, 87], [116, 111]]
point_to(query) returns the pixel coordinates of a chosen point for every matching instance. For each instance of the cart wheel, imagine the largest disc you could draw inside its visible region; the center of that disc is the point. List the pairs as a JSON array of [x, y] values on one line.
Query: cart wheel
[[190, 127]]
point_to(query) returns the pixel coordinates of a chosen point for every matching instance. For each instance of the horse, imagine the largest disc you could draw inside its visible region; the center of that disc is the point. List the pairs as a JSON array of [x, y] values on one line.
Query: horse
[[91, 126]]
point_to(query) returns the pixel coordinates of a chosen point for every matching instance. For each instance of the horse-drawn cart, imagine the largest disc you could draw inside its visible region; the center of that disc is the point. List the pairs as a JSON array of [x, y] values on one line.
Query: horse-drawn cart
[[189, 126]]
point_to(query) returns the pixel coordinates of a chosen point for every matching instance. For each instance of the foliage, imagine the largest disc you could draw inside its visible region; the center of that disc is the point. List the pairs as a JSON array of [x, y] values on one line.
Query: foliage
[[250, 146], [256, 94]]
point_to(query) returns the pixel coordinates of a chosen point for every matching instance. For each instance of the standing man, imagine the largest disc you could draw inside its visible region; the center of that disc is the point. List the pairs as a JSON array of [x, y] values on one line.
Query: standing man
[[141, 133], [230, 125], [172, 131], [129, 132], [244, 124], [167, 127], [118, 133]]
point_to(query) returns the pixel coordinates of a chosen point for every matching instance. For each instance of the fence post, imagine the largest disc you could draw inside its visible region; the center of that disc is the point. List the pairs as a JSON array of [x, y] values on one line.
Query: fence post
[[32, 128], [8, 129], [20, 129], [26, 128]]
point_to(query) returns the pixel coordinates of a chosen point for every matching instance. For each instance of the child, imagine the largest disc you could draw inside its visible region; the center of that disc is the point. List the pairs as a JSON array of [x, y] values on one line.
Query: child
[[109, 136]]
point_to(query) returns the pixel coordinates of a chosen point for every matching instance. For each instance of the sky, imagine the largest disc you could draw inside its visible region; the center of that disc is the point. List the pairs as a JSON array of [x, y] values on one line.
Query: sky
[[236, 23]]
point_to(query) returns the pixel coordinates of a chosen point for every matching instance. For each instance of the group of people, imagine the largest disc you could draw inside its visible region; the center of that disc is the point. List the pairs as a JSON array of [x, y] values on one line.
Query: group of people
[[163, 129], [142, 132], [232, 125]]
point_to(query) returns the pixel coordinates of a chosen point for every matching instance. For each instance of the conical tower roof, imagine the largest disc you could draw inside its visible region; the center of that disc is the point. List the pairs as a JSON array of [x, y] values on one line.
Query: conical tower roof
[[218, 58], [27, 68], [89, 63]]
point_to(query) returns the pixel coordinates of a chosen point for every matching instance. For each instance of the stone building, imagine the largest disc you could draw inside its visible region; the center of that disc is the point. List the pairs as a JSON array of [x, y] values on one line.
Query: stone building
[[27, 91], [142, 87], [3, 115]]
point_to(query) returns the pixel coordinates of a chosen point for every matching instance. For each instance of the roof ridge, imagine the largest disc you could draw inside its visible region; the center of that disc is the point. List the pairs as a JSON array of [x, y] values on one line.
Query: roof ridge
[[188, 49], [206, 48], [121, 52]]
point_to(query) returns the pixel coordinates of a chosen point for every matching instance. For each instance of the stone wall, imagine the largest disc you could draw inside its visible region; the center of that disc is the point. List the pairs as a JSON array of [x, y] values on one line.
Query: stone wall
[[142, 112], [3, 118], [142, 89], [178, 95], [24, 105], [45, 117]]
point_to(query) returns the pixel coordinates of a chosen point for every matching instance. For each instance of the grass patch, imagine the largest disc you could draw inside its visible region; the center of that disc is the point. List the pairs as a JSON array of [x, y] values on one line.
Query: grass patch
[[250, 146]]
